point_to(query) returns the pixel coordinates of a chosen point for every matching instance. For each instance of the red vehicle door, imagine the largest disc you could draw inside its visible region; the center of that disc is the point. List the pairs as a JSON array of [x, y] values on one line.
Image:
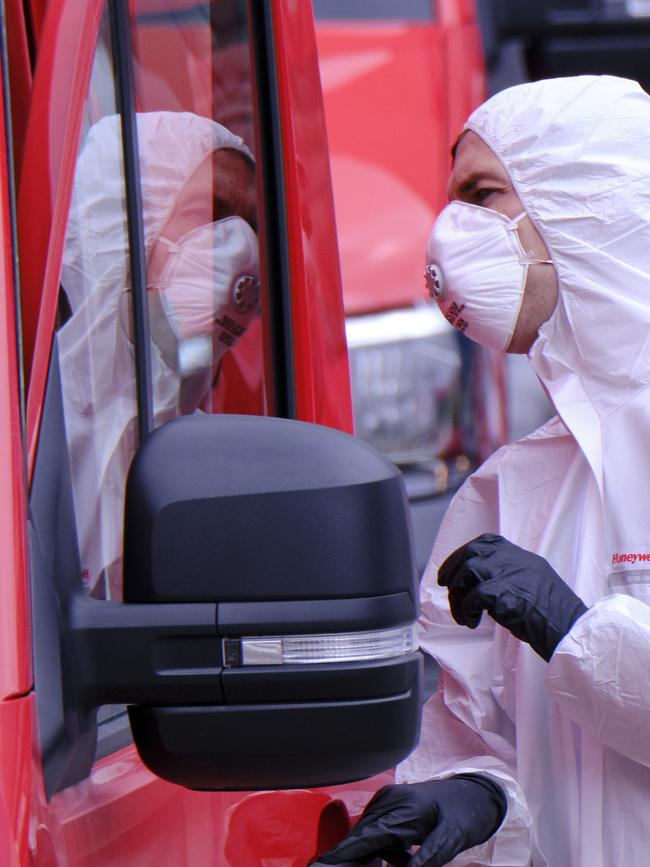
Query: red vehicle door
[[146, 121]]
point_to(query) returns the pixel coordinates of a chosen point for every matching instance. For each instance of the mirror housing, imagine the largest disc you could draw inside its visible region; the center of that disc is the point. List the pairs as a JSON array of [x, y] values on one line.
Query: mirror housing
[[294, 541]]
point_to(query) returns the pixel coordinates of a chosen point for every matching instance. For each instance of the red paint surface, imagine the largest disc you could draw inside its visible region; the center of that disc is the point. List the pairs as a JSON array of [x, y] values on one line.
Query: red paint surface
[[396, 96], [15, 781], [21, 74], [122, 814], [15, 656], [320, 353], [36, 9], [386, 118]]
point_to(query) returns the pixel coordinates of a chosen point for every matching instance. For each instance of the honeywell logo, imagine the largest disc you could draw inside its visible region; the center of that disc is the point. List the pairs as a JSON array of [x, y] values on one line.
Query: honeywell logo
[[630, 558]]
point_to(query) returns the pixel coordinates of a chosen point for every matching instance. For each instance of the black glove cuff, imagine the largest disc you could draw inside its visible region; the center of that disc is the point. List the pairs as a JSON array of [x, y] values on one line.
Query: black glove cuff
[[574, 614], [496, 794], [580, 609]]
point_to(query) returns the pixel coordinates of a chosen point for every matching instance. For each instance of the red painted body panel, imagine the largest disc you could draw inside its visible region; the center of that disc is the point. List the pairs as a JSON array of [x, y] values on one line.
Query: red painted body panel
[[16, 716], [320, 354], [16, 814], [21, 75], [123, 815], [15, 655], [36, 10]]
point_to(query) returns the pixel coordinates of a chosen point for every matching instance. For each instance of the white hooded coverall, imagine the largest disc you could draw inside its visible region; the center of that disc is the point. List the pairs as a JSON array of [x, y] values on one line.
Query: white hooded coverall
[[569, 742]]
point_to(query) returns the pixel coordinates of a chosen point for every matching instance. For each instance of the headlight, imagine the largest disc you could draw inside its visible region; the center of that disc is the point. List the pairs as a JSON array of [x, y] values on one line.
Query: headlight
[[405, 375]]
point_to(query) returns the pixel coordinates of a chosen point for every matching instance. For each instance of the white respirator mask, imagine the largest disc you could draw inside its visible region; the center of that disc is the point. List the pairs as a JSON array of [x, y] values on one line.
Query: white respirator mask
[[477, 271], [205, 294]]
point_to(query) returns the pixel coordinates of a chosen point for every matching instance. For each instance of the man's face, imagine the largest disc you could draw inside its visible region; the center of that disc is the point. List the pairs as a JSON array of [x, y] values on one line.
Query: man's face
[[479, 178]]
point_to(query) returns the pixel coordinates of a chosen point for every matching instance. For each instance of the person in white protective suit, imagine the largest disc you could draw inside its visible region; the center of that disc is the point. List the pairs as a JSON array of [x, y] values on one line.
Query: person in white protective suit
[[198, 212], [535, 748]]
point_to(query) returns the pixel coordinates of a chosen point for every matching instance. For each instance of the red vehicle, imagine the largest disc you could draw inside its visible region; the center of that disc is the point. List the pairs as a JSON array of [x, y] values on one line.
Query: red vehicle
[[207, 588], [182, 121], [399, 79]]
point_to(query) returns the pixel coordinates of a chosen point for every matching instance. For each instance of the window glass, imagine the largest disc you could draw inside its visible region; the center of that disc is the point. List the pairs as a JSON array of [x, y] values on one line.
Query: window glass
[[199, 212], [94, 323], [196, 139], [407, 10], [195, 133]]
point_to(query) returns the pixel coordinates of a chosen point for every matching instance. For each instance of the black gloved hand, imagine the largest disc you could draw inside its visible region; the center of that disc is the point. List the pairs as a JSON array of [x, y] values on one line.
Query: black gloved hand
[[444, 816], [518, 589]]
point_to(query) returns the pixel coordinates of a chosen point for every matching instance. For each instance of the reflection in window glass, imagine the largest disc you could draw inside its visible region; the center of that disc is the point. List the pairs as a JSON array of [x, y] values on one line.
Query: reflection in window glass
[[194, 123], [196, 143], [94, 323]]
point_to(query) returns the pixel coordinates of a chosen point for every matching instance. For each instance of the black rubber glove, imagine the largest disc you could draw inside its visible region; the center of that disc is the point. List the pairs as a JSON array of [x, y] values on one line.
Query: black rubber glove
[[518, 589], [444, 816]]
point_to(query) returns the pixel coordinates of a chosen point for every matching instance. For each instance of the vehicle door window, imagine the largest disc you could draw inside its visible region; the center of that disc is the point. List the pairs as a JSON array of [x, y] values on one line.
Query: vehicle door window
[[96, 361], [404, 10], [163, 307], [198, 221], [193, 85]]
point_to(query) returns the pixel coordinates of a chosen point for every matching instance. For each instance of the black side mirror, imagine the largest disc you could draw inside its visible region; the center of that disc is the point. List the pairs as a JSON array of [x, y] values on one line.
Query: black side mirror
[[288, 547], [266, 639]]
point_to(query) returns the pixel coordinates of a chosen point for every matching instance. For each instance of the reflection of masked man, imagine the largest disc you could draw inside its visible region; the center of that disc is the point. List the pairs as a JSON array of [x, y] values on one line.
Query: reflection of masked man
[[198, 195]]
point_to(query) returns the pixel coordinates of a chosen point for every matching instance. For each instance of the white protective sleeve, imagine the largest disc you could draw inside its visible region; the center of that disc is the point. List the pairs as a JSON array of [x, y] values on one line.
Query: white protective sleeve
[[465, 729], [512, 845], [600, 675]]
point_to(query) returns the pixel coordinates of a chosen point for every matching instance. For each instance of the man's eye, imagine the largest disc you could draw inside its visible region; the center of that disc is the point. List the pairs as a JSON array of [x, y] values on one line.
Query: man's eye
[[484, 193]]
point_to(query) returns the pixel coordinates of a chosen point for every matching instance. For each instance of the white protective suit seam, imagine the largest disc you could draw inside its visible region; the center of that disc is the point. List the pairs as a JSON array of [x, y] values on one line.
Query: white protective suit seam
[[574, 660], [645, 386]]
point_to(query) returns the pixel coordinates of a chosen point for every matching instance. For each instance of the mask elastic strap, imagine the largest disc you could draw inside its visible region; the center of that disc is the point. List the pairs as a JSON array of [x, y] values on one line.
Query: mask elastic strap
[[528, 257], [514, 222], [171, 245]]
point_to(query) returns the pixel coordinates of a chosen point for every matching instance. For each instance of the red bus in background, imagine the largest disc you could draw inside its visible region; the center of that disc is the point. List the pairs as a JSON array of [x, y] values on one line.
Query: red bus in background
[[399, 80]]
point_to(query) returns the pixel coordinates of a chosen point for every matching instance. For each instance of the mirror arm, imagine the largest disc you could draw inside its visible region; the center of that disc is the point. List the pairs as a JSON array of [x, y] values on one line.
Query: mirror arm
[[149, 654]]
